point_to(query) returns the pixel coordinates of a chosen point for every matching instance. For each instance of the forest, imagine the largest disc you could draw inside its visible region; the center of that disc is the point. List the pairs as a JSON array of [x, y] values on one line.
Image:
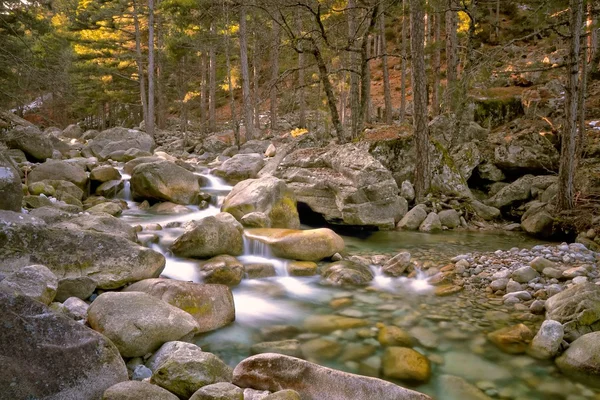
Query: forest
[[300, 199]]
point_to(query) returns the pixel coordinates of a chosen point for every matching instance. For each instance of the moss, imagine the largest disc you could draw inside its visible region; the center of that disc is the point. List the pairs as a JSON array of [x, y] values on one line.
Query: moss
[[498, 110], [282, 213]]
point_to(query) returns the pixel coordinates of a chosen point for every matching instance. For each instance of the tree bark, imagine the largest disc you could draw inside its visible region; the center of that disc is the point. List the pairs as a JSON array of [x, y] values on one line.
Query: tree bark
[[247, 96], [566, 173], [212, 82], [437, 55], [236, 125], [387, 93], [204, 91], [140, 63], [324, 77], [150, 124], [255, 81], [404, 54], [419, 84], [451, 54], [274, 73], [301, 93], [354, 76], [365, 72]]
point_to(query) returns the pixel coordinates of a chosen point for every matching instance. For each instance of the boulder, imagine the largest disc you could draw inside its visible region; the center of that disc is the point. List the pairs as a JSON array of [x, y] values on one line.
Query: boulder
[[10, 185], [512, 339], [449, 218], [268, 195], [72, 131], [329, 323], [515, 193], [525, 151], [431, 223], [105, 173], [130, 165], [210, 236], [546, 343], [485, 212], [277, 372], [214, 144], [138, 323], [34, 281], [577, 309], [107, 207], [60, 170], [539, 224], [223, 269], [100, 222], [407, 191], [109, 260], [405, 364], [211, 306], [344, 184], [347, 273], [118, 139], [48, 355], [136, 390], [302, 268], [581, 361], [256, 220], [76, 308], [391, 335], [164, 181], [255, 146], [219, 391], [490, 172], [184, 368], [304, 245], [413, 219], [29, 139], [80, 287], [240, 167], [398, 264]]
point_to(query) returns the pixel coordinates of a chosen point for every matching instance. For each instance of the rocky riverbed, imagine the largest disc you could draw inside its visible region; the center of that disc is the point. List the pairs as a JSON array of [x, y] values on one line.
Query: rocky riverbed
[[131, 274]]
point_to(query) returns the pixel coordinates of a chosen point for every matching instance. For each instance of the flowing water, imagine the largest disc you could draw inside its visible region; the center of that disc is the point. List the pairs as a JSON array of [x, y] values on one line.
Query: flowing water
[[450, 331]]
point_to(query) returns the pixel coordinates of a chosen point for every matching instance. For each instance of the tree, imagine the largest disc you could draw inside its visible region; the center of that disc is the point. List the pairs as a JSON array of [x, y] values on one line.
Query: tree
[[274, 73], [212, 81], [386, 74], [150, 126], [451, 53], [566, 173], [248, 106], [419, 85]]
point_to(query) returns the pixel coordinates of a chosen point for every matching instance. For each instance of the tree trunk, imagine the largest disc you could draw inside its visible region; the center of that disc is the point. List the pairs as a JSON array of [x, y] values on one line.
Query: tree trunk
[[566, 173], [324, 77], [451, 54], [354, 76], [140, 63], [365, 72], [182, 89], [437, 55], [419, 85], [161, 81], [274, 72], [150, 124], [301, 93], [255, 81], [212, 82], [387, 93], [404, 54], [247, 96], [204, 92], [236, 125]]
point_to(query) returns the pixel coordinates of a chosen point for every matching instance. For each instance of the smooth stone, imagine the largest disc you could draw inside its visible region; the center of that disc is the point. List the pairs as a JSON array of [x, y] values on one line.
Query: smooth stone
[[277, 372], [34, 281], [303, 245], [581, 361], [321, 349], [290, 347], [456, 388], [302, 268], [135, 390], [405, 364], [219, 391], [394, 336], [577, 309], [512, 339], [546, 343], [330, 323], [209, 237], [524, 274]]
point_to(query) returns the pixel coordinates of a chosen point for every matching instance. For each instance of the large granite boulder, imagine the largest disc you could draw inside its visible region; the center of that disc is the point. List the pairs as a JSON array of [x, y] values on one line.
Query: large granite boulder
[[517, 192], [276, 372], [211, 305], [344, 184], [304, 245], [34, 281], [209, 237], [10, 185], [29, 139], [60, 170], [109, 260], [164, 181], [577, 309], [138, 323], [46, 355], [183, 368], [118, 139], [100, 222], [136, 390], [240, 167], [582, 359], [268, 195]]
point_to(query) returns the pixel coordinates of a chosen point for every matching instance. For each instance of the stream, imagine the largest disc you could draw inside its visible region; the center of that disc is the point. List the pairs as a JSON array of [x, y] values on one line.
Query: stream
[[450, 331]]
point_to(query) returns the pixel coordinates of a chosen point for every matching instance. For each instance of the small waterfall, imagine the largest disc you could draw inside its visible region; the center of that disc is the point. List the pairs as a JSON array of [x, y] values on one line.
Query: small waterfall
[[417, 284], [257, 252], [126, 192], [214, 182]]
